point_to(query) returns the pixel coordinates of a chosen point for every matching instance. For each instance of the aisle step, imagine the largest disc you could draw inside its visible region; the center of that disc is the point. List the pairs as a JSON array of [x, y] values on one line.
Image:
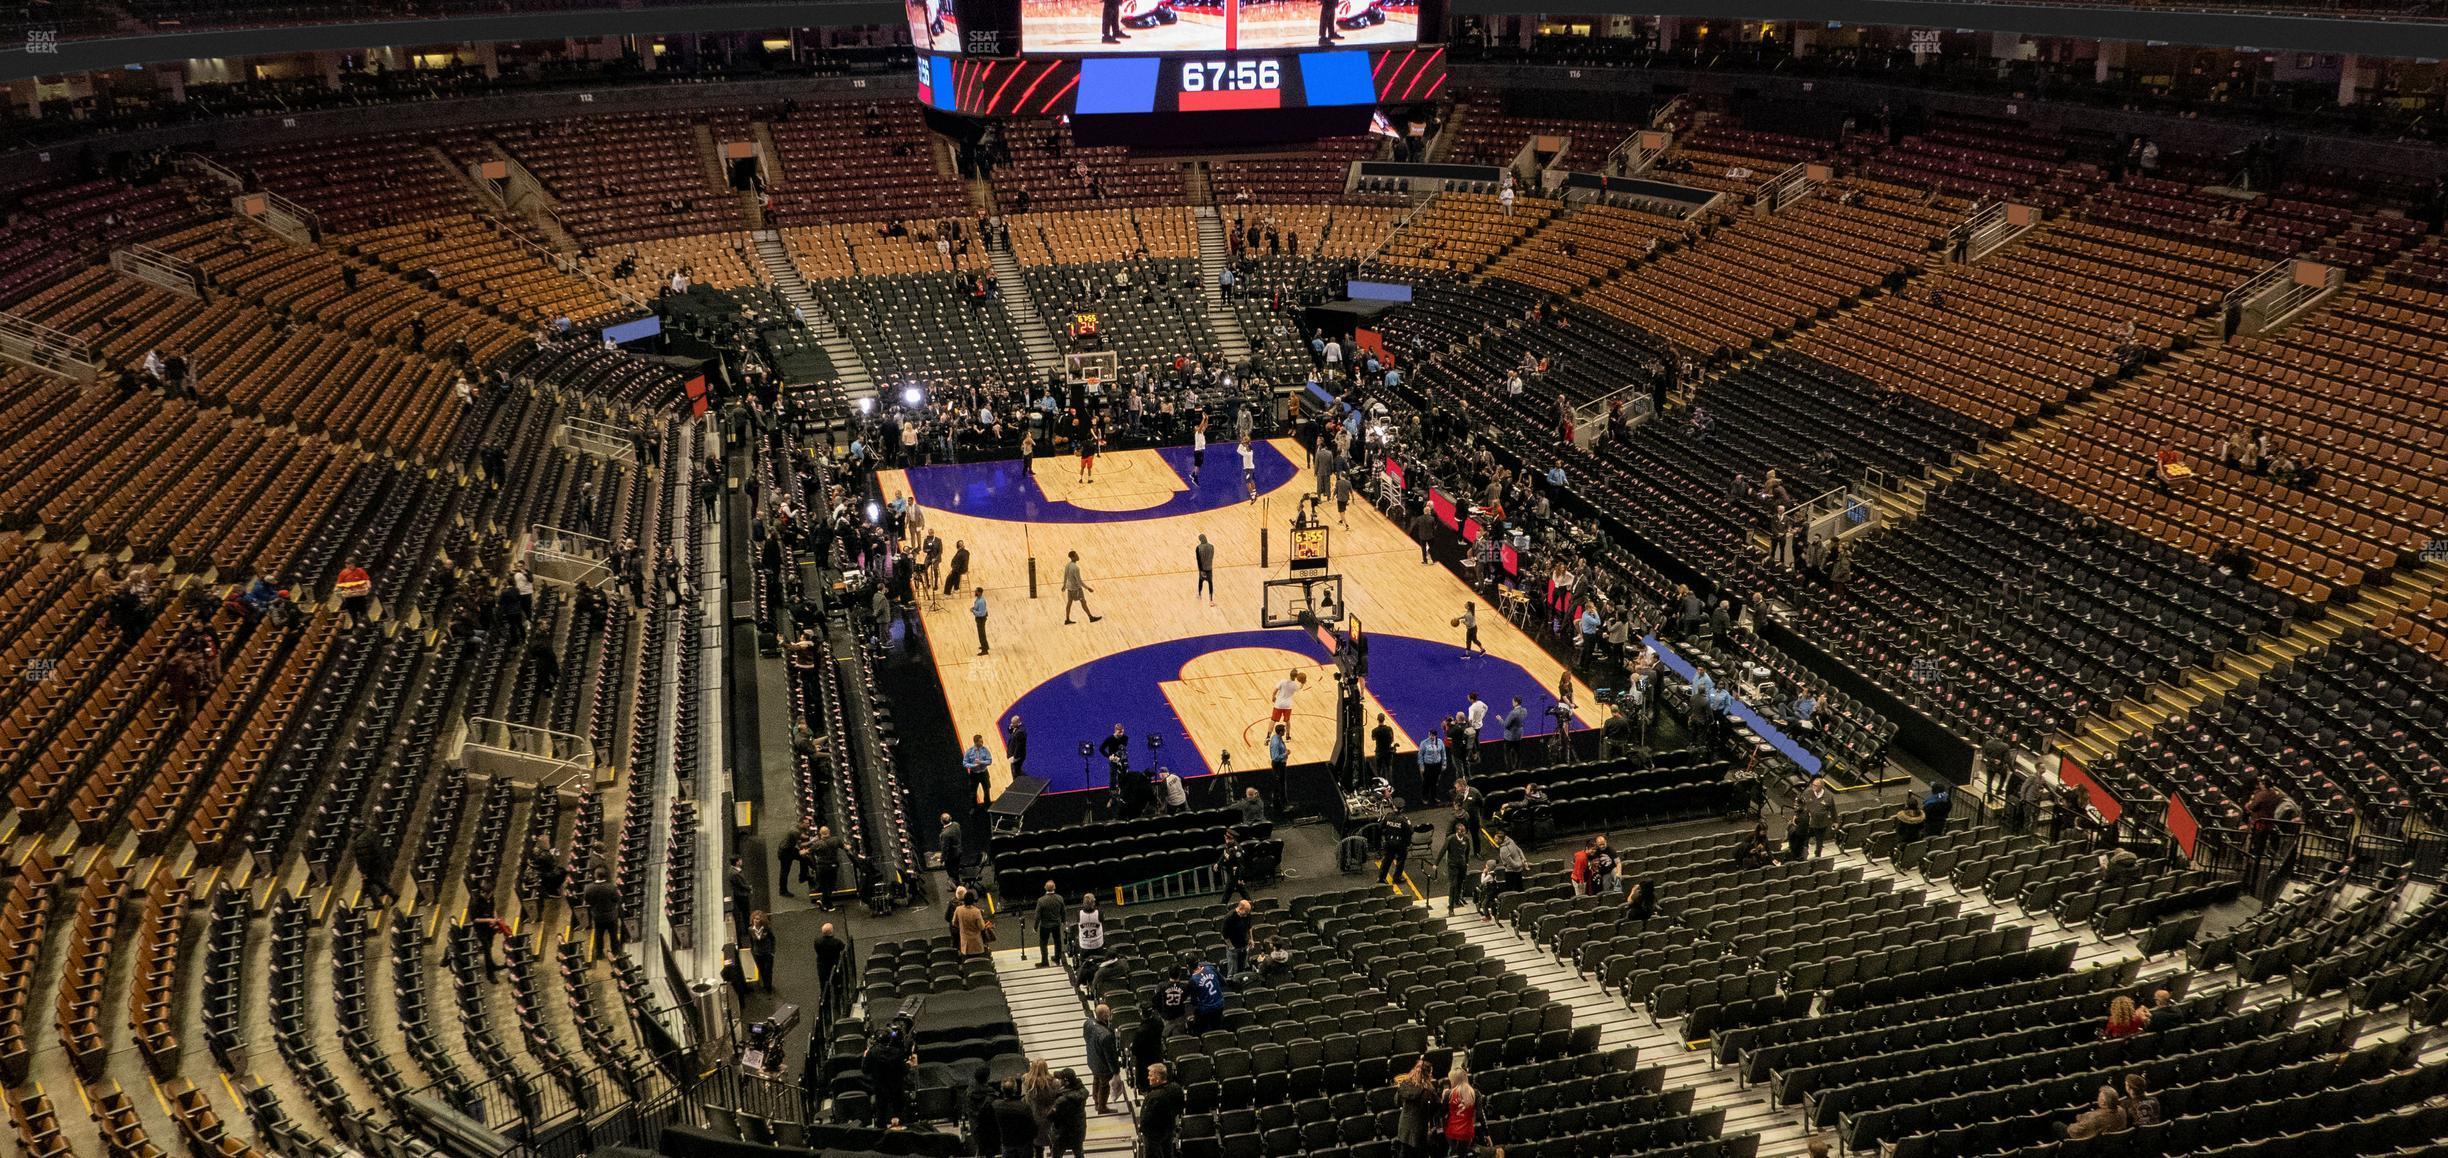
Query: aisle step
[[1048, 1014]]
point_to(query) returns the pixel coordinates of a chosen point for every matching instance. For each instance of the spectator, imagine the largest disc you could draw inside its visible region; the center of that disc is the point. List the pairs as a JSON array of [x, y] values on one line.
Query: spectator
[[1461, 1110], [1015, 1124], [1510, 866], [1755, 851], [1415, 1097], [603, 914], [1640, 902], [761, 948], [1147, 1048], [1936, 806], [2107, 1117], [1068, 1121], [969, 923], [1818, 811], [1088, 936], [1206, 997], [1159, 1114], [1237, 923], [1049, 925], [2124, 1020], [1041, 1091], [2164, 1014], [1104, 1054], [2140, 1105], [1253, 809]]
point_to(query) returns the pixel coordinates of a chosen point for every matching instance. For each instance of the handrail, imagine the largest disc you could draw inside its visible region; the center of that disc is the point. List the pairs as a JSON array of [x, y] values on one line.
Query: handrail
[[30, 343], [199, 165], [1665, 114], [1786, 187], [2277, 292]]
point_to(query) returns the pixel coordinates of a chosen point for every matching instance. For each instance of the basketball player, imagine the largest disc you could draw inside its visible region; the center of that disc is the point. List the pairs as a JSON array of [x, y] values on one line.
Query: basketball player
[[1284, 692], [1249, 467], [1198, 451], [1468, 621], [1075, 590]]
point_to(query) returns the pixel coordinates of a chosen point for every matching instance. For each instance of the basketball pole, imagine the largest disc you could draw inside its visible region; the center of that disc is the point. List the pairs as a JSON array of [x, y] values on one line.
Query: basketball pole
[[1264, 505], [1030, 548]]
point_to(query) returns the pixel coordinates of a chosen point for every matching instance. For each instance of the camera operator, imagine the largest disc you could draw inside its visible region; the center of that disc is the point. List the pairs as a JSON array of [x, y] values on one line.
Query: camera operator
[[892, 1053], [1561, 712]]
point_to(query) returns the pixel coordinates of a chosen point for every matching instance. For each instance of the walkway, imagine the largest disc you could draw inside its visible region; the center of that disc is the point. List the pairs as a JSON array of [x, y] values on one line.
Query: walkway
[[1047, 1011]]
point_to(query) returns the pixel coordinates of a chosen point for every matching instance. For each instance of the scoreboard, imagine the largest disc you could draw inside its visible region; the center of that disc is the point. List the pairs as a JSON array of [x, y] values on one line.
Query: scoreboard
[[1066, 58], [1033, 87]]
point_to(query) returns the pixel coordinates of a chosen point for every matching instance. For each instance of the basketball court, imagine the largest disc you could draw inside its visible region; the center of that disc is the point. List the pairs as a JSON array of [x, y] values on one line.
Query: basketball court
[[1164, 661]]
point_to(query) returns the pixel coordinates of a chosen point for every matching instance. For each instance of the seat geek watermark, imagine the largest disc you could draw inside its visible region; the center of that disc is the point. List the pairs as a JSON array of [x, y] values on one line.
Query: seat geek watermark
[[40, 670], [42, 42]]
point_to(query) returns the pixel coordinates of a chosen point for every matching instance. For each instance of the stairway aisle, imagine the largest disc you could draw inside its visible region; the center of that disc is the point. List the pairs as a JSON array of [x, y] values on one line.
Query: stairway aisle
[[1214, 252], [1044, 354], [1747, 1111], [1048, 1013], [857, 383]]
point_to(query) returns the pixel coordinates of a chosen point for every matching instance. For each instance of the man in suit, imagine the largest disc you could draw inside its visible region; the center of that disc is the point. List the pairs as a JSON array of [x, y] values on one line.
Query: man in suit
[[960, 567], [948, 842], [1112, 32], [603, 914], [1326, 24], [743, 896], [1205, 554], [1015, 744]]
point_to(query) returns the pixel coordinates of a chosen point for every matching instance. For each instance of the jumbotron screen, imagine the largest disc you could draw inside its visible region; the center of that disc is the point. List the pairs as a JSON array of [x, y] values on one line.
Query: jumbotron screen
[[1098, 57], [1142, 27]]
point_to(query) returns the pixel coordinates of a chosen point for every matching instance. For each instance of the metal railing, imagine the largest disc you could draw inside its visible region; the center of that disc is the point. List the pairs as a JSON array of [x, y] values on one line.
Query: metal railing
[[288, 220], [2277, 293], [1782, 190], [1667, 112], [32, 344], [154, 267], [1635, 153], [2295, 852], [1829, 514], [544, 757], [1988, 227], [199, 167], [602, 439], [561, 555]]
